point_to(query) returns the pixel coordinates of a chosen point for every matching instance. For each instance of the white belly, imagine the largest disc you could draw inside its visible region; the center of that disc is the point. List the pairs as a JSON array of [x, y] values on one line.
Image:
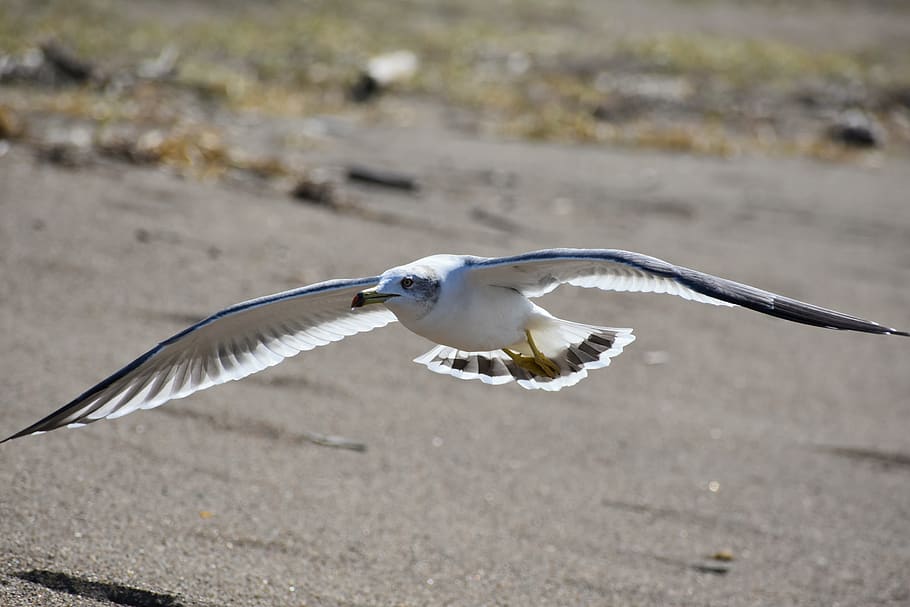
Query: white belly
[[481, 319]]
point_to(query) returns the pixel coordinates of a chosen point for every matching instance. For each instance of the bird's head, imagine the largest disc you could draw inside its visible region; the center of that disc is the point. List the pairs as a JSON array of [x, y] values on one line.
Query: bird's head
[[406, 290]]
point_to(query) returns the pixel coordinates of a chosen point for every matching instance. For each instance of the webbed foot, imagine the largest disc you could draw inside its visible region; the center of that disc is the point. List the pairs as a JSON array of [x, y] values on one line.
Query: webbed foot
[[538, 364]]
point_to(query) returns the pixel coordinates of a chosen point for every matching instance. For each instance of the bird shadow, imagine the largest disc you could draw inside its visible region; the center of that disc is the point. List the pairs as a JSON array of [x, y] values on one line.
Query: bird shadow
[[260, 429], [886, 459], [101, 591]]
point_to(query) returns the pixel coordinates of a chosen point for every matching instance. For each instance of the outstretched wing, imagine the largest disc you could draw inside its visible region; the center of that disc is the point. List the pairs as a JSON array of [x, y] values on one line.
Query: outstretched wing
[[231, 344], [539, 272]]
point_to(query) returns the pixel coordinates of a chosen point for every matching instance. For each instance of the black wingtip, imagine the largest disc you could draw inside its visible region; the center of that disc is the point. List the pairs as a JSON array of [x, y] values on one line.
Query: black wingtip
[[9, 438], [39, 427], [20, 434]]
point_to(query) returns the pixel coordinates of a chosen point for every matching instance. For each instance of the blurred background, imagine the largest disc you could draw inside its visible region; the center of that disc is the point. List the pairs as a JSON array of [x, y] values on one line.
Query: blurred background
[[173, 83]]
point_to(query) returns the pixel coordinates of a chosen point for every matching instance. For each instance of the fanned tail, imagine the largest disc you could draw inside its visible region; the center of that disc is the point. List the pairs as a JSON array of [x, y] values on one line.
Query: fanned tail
[[574, 347]]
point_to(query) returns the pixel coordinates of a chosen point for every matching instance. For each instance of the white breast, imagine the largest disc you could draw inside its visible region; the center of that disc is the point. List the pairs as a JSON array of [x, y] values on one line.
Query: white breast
[[476, 319]]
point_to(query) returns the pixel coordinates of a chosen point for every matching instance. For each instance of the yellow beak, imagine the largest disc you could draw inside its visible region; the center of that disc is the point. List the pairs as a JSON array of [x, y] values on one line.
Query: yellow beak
[[370, 296]]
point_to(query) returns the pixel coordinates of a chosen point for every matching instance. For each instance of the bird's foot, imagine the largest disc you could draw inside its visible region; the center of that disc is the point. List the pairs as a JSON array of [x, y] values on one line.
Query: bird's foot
[[538, 364]]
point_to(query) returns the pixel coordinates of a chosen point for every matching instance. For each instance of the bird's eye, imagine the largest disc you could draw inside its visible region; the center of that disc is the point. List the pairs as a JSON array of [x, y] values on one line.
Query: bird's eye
[[407, 282]]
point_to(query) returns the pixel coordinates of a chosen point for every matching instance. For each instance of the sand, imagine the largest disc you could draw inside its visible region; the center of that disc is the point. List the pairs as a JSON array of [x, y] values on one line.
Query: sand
[[718, 432]]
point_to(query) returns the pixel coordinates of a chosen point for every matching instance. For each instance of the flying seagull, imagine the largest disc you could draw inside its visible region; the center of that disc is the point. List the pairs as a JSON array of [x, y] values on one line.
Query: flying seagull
[[477, 309]]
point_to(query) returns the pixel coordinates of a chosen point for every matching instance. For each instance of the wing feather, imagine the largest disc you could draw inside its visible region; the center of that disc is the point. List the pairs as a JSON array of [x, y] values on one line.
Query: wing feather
[[539, 272], [231, 344]]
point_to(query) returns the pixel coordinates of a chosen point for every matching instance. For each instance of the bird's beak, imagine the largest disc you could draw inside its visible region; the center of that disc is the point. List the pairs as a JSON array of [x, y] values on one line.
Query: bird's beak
[[370, 296]]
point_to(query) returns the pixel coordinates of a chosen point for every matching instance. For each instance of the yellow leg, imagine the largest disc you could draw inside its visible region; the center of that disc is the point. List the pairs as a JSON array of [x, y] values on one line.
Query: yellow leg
[[538, 364], [551, 367]]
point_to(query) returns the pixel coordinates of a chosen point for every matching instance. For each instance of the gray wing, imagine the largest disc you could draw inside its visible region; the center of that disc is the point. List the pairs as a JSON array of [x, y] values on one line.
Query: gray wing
[[539, 272], [231, 344]]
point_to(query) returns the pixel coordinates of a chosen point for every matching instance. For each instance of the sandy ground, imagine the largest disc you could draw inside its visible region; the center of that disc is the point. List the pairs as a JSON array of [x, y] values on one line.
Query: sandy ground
[[785, 446]]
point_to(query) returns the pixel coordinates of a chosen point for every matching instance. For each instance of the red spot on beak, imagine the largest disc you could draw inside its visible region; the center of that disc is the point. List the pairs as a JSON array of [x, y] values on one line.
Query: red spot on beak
[[358, 300]]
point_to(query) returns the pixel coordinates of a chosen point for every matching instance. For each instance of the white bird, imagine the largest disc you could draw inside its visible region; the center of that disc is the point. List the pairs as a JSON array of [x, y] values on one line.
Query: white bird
[[478, 310]]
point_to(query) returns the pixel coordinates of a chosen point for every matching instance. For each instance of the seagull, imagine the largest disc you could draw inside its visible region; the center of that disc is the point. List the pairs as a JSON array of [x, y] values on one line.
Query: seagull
[[477, 310]]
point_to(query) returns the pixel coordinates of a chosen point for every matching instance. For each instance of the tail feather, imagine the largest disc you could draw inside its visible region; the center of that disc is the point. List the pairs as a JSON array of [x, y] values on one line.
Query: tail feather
[[574, 347], [488, 367]]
